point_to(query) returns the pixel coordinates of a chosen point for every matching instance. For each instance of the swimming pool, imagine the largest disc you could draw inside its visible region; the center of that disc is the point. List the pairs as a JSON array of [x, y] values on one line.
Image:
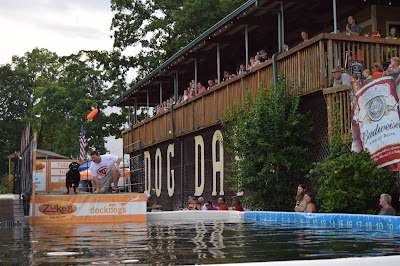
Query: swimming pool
[[193, 238]]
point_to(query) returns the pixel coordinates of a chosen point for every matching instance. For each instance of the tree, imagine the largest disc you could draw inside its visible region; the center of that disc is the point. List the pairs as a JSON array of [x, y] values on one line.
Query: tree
[[66, 89], [15, 100], [267, 141], [163, 27]]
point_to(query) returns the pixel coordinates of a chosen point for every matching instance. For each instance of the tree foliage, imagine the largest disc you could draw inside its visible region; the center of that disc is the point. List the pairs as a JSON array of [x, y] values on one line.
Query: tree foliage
[[15, 100], [267, 140], [65, 89], [162, 27], [347, 181]]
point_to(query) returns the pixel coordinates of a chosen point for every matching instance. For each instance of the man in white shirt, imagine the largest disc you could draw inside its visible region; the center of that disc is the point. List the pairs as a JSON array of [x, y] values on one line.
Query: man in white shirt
[[105, 169]]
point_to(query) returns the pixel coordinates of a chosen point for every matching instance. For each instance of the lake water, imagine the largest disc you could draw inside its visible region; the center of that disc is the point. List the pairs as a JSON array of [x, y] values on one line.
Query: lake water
[[187, 243]]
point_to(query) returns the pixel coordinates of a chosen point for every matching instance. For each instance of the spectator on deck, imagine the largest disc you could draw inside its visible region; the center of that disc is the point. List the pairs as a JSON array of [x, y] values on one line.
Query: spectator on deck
[[367, 74], [394, 67], [263, 56], [211, 84], [310, 200], [185, 95], [242, 69], [300, 201], [216, 81], [200, 87], [209, 206], [221, 204], [393, 34], [202, 203], [236, 204], [377, 70], [227, 76], [256, 60], [385, 200], [352, 28], [340, 78], [304, 36], [196, 204]]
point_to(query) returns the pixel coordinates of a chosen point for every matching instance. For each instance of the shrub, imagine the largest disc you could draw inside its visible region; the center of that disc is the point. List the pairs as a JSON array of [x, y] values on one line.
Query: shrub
[[267, 141]]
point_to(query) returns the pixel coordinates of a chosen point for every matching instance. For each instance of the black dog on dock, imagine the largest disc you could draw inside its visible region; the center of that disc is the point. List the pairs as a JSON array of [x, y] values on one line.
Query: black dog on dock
[[73, 177]]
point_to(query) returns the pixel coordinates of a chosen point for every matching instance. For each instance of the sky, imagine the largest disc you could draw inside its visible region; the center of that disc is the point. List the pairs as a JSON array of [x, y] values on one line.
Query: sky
[[61, 26]]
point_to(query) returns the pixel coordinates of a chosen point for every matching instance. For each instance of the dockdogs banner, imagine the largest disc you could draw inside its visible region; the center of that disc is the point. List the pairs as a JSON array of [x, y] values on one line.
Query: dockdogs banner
[[376, 119]]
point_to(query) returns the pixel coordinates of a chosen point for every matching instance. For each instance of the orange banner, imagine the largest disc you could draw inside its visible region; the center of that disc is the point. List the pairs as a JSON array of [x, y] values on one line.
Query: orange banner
[[89, 208]]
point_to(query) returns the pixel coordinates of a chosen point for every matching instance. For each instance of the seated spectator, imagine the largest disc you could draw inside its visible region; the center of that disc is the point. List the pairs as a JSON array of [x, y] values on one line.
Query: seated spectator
[[196, 204], [256, 60], [211, 84], [263, 56], [385, 200], [367, 74], [200, 87], [340, 78], [209, 206], [377, 70], [304, 36], [310, 200], [393, 68], [251, 64], [236, 204], [242, 69], [221, 204], [352, 28], [185, 95], [202, 203], [191, 203], [300, 201], [216, 81]]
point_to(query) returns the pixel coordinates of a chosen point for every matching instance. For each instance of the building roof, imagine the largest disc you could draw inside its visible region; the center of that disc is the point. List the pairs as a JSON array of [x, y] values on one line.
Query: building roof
[[313, 16], [44, 152]]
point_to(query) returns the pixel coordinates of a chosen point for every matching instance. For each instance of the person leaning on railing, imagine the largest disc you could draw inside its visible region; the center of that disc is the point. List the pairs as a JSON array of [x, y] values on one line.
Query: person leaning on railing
[[340, 78]]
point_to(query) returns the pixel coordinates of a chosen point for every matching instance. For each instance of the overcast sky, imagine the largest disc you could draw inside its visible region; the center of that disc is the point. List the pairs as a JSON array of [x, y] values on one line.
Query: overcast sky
[[61, 26]]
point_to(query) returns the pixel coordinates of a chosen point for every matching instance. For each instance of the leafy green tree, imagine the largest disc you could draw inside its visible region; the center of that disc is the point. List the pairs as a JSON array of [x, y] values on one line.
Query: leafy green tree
[[15, 100], [349, 182], [162, 27], [267, 141], [66, 89]]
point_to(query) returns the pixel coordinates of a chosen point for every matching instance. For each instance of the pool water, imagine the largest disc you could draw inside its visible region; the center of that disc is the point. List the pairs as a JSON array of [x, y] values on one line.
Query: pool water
[[179, 243]]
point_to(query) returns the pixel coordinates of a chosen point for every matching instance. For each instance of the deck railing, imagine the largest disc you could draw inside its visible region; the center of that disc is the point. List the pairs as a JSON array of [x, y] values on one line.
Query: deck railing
[[307, 69]]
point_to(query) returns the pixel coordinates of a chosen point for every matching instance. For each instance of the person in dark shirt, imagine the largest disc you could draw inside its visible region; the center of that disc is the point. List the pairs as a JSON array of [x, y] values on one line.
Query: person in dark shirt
[[263, 56], [352, 28]]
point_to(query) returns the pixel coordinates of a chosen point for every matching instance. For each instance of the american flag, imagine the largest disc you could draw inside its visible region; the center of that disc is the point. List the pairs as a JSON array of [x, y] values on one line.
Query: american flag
[[82, 144]]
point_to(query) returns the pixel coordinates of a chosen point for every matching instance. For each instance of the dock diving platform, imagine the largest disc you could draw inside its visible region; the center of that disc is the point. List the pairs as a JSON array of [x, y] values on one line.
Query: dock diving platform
[[87, 208]]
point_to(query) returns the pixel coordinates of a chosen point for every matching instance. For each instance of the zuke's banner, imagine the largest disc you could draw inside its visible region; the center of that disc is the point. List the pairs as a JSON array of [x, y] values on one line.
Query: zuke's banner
[[88, 208], [376, 119]]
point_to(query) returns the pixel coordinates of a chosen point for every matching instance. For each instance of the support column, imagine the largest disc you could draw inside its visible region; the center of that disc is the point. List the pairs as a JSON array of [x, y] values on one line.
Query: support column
[[195, 74], [246, 44], [176, 91], [148, 109], [334, 17], [218, 65], [160, 92]]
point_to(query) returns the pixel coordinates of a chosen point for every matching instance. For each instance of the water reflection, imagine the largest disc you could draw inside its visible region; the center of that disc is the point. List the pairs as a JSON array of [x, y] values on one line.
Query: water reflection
[[199, 242]]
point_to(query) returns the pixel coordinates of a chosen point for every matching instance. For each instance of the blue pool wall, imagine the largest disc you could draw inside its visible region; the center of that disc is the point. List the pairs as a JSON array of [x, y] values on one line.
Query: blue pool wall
[[369, 222]]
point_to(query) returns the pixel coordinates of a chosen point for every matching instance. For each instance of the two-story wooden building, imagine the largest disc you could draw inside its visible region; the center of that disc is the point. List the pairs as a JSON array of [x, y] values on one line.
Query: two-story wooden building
[[178, 153]]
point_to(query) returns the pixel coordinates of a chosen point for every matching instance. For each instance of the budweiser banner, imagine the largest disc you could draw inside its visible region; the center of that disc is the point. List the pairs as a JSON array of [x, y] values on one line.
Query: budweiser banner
[[376, 119]]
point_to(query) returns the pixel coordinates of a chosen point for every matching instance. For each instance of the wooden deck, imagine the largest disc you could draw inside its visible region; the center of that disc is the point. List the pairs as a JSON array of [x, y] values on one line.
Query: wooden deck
[[307, 69]]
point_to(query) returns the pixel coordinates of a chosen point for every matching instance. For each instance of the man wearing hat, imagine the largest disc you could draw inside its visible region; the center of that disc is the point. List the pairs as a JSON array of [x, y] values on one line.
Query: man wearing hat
[[340, 78]]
